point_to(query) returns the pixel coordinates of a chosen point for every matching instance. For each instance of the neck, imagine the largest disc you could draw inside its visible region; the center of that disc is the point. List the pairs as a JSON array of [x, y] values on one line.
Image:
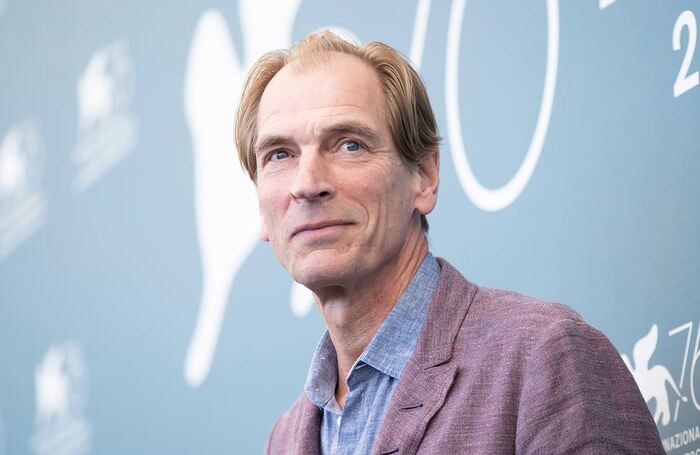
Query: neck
[[353, 315]]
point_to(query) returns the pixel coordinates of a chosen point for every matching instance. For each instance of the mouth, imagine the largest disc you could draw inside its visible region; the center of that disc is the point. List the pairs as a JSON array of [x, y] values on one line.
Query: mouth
[[318, 227]]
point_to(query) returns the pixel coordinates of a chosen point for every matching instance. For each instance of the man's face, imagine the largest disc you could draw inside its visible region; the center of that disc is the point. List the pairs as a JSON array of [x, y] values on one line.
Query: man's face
[[336, 200]]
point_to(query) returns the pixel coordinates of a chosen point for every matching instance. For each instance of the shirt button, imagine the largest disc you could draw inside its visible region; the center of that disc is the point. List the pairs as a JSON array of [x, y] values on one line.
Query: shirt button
[[337, 420]]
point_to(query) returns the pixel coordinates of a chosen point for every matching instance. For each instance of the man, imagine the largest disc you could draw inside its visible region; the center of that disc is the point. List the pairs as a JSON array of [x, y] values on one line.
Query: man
[[342, 145]]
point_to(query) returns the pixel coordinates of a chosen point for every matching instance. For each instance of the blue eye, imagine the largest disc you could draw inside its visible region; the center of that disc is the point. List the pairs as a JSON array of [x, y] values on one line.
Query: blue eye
[[351, 146], [279, 155]]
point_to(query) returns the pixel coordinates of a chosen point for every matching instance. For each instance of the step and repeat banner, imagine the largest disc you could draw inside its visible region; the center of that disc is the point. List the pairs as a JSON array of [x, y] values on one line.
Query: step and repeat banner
[[140, 312]]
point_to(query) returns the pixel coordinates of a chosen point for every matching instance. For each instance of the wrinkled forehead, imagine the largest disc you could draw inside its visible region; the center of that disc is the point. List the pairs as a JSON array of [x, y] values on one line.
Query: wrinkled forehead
[[334, 84]]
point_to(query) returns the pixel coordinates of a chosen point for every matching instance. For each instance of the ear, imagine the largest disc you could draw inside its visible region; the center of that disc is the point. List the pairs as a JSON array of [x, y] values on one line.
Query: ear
[[427, 181]]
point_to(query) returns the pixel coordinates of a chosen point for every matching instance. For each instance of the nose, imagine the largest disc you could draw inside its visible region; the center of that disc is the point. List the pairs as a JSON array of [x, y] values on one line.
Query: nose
[[312, 181]]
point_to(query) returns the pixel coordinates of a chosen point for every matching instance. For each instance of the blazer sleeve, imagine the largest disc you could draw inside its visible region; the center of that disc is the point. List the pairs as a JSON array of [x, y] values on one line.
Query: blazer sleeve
[[578, 397]]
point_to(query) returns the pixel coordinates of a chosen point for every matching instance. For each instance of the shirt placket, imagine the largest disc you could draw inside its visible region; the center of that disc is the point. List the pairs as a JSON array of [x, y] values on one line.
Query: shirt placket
[[350, 422]]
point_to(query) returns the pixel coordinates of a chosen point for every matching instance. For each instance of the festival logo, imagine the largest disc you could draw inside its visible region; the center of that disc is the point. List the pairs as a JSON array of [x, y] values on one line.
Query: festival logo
[[654, 381], [22, 202], [107, 130], [61, 382], [669, 397]]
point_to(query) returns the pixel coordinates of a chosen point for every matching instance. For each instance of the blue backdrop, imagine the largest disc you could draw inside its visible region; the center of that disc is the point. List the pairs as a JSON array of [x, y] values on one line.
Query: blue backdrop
[[139, 312]]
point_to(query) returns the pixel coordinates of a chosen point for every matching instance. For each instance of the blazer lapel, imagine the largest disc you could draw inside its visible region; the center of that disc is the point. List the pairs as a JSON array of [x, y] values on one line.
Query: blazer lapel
[[307, 440], [426, 380], [413, 404]]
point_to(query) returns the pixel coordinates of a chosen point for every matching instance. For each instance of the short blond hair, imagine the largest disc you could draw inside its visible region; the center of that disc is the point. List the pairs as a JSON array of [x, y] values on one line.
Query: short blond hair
[[407, 107]]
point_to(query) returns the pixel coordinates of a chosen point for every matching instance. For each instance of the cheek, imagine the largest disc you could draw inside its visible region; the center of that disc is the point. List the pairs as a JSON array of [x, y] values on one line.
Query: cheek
[[270, 207], [389, 203], [397, 189]]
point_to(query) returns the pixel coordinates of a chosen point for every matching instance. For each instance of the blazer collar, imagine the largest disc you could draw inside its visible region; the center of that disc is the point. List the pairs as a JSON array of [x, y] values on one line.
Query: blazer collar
[[446, 313]]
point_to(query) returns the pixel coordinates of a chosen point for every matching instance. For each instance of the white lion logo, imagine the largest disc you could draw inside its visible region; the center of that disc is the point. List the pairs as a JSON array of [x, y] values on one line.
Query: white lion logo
[[652, 381], [226, 206]]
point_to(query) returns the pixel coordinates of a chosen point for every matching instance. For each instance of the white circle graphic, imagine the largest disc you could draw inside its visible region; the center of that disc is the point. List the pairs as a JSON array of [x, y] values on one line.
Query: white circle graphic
[[492, 200]]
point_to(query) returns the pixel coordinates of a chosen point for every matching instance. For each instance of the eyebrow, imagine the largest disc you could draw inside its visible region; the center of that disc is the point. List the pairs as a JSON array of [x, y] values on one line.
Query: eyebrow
[[339, 129], [271, 142], [352, 129]]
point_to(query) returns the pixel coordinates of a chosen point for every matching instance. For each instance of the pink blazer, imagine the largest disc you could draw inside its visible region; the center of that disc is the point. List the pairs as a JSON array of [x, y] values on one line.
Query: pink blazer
[[495, 372]]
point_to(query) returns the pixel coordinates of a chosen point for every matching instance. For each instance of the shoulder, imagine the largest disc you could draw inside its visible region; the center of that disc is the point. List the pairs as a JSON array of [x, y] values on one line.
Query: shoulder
[[519, 332], [516, 310], [515, 329], [507, 309], [492, 312], [543, 359], [540, 327]]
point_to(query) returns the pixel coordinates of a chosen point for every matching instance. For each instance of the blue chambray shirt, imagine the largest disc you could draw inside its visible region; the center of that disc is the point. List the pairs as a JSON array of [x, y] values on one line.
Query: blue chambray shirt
[[373, 377]]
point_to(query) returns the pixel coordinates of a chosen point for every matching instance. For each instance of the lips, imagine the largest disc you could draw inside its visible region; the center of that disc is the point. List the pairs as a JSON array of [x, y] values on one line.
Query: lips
[[310, 227]]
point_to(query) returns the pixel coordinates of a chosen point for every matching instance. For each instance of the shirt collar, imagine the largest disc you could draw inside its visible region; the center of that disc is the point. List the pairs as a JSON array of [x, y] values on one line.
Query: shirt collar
[[391, 346], [393, 343], [323, 373]]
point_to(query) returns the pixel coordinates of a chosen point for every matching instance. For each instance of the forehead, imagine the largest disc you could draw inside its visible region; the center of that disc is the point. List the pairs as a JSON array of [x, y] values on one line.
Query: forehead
[[337, 88]]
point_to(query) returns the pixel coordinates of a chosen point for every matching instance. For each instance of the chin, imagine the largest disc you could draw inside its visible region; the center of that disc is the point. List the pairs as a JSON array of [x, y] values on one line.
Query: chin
[[320, 270]]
